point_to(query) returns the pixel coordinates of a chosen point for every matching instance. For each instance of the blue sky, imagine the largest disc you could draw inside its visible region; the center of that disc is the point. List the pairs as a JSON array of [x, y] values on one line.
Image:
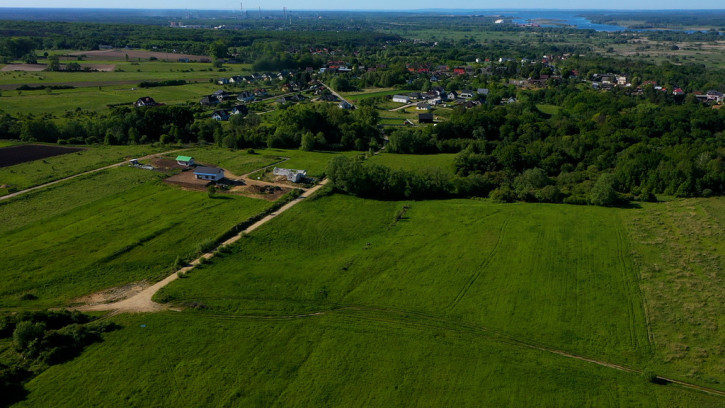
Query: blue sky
[[370, 4]]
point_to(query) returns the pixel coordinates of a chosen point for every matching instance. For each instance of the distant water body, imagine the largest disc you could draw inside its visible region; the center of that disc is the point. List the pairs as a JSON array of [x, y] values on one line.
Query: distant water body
[[558, 18], [568, 18]]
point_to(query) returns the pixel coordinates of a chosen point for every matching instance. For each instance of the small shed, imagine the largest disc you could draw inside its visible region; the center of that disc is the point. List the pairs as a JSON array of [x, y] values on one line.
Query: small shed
[[185, 160], [209, 173]]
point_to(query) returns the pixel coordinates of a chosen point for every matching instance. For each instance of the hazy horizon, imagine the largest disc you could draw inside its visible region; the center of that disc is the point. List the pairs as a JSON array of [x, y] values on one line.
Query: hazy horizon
[[372, 5]]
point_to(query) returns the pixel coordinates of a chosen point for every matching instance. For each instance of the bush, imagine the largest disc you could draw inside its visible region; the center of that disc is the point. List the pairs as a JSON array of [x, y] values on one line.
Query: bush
[[503, 194]]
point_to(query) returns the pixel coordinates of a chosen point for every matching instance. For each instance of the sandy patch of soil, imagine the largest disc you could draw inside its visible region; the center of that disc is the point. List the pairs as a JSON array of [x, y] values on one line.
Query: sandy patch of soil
[[112, 295]]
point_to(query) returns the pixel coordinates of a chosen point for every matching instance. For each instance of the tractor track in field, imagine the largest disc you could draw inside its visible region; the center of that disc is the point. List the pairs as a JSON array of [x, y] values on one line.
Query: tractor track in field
[[41, 186], [474, 277], [424, 321]]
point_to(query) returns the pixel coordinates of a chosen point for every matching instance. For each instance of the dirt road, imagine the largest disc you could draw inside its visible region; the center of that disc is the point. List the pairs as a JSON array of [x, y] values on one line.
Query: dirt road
[[141, 301]]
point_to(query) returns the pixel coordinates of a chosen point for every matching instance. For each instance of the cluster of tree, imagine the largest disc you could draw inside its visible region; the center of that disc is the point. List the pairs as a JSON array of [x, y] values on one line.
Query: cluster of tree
[[304, 126], [122, 126], [647, 148], [42, 339]]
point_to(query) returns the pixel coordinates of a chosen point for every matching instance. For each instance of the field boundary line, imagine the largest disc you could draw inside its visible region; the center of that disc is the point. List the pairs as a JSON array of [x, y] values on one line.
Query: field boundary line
[[38, 187]]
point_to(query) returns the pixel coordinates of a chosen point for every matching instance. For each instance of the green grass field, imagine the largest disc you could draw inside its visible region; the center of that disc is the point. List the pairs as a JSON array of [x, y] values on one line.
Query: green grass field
[[314, 162], [126, 71], [339, 302], [679, 248], [407, 267], [95, 99], [416, 162], [548, 109], [333, 360], [110, 228], [33, 173]]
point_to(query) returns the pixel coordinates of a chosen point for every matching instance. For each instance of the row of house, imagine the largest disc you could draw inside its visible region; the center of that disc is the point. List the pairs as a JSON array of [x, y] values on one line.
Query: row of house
[[255, 77]]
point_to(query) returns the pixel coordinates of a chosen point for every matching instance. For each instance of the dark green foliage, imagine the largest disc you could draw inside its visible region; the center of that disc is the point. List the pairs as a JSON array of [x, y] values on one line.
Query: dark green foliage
[[170, 82], [603, 191], [42, 339]]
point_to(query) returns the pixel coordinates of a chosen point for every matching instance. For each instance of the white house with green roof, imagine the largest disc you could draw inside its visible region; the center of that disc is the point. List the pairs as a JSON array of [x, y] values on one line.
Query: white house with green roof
[[185, 160]]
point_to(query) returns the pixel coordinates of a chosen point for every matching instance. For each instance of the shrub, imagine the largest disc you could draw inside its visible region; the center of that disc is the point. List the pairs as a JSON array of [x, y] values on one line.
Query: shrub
[[503, 194]]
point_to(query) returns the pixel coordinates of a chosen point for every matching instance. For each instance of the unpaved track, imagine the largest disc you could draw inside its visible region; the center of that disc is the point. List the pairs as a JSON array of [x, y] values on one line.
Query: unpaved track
[[27, 190], [142, 301]]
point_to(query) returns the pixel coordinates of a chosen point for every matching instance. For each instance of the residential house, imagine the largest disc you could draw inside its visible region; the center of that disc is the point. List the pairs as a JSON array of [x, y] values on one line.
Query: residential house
[[185, 160], [344, 105], [245, 96], [209, 100], [482, 91], [220, 115], [209, 173], [715, 96], [240, 110], [423, 106], [145, 101], [222, 81], [467, 93]]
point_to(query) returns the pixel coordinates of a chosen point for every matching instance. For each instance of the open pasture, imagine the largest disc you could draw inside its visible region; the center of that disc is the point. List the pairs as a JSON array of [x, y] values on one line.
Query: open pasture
[[175, 359], [349, 302], [580, 292], [416, 162], [106, 229]]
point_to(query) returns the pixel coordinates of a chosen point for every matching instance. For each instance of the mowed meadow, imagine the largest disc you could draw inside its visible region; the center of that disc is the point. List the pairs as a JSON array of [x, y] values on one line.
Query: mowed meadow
[[104, 229], [344, 301]]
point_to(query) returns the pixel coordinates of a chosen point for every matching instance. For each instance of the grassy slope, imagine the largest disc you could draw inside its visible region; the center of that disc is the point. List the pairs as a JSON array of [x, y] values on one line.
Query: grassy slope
[[405, 319], [109, 228], [95, 99], [28, 174], [314, 162], [415, 162], [496, 263], [679, 250], [190, 360]]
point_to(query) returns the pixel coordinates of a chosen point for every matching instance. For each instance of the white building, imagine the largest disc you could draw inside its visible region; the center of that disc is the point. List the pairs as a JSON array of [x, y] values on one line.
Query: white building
[[401, 98], [209, 173]]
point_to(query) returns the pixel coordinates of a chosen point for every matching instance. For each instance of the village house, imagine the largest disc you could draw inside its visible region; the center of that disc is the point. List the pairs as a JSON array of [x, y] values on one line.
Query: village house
[[245, 96], [344, 105], [209, 100], [145, 101], [466, 93], [401, 98], [240, 110], [209, 173], [423, 106], [220, 115], [184, 160]]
